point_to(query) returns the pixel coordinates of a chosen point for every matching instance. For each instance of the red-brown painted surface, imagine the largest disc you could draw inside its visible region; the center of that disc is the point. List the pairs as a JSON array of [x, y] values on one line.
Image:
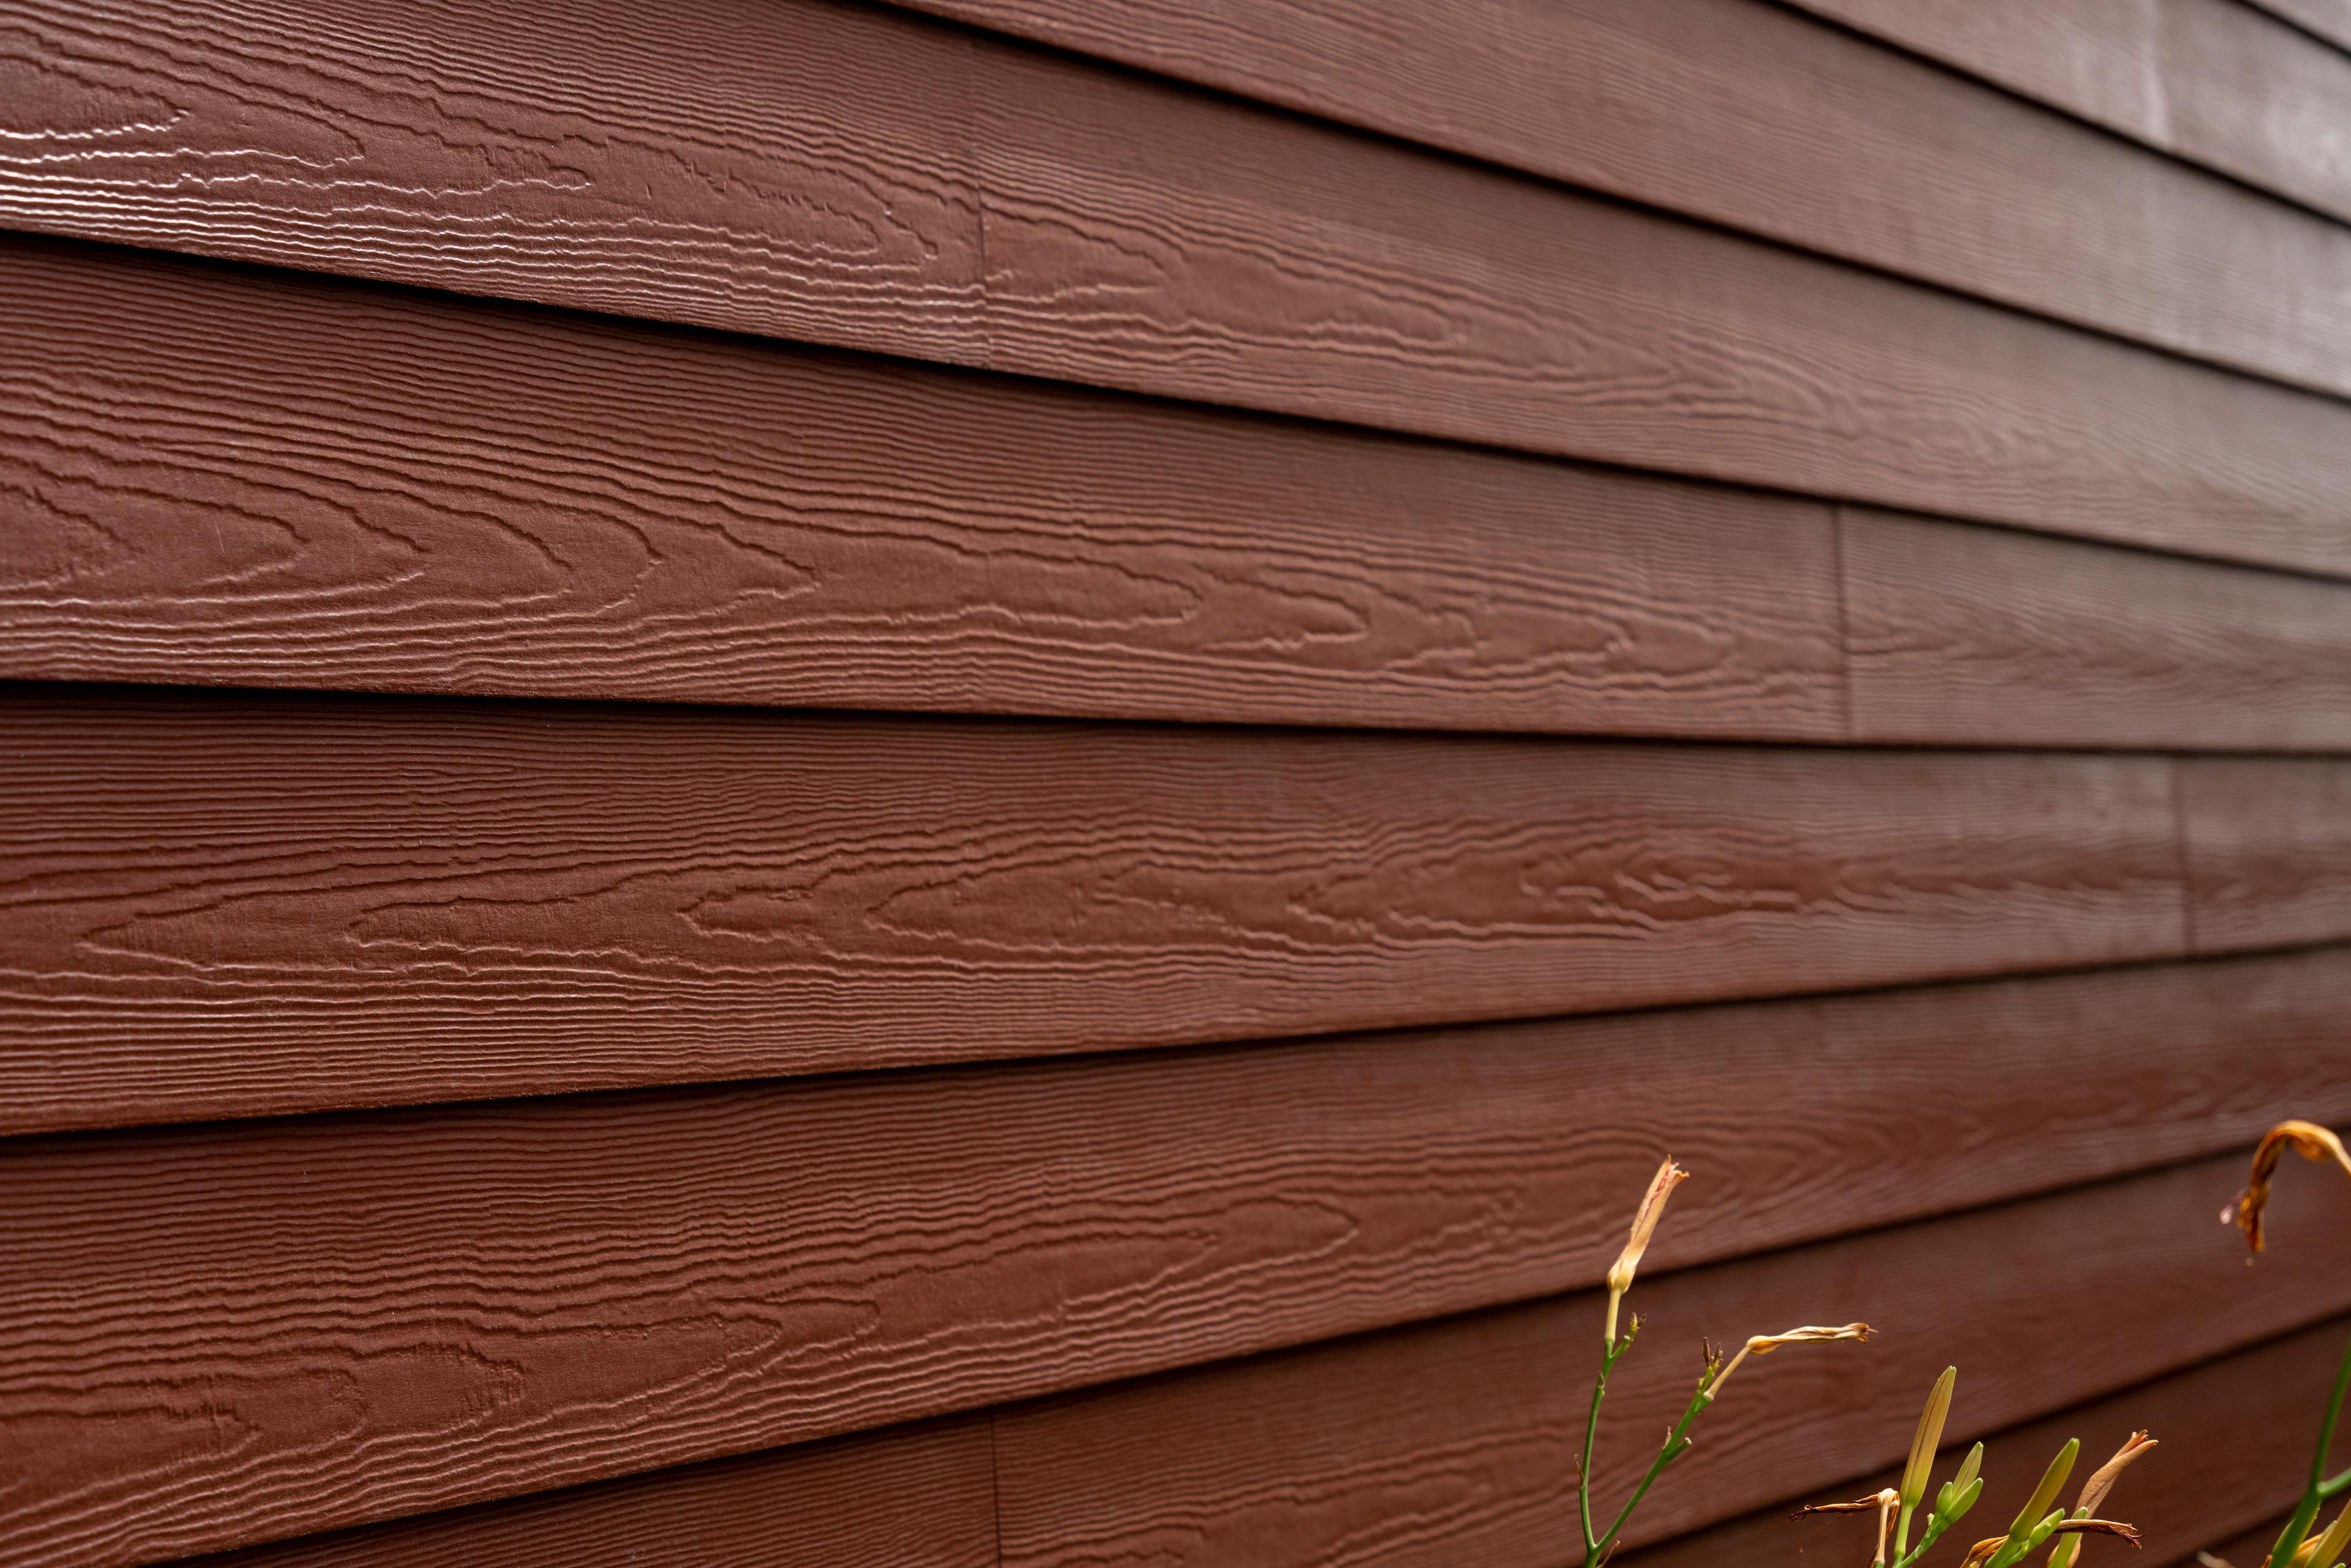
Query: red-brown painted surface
[[791, 783]]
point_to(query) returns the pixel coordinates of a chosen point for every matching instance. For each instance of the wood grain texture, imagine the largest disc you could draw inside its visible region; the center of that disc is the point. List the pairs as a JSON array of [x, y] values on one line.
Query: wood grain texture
[[1454, 1442], [227, 476], [1967, 636], [2213, 81], [2233, 1439], [795, 173], [1139, 236], [392, 1311], [1751, 116], [2269, 850], [2327, 20], [223, 904], [1145, 236], [2235, 1424], [918, 1497]]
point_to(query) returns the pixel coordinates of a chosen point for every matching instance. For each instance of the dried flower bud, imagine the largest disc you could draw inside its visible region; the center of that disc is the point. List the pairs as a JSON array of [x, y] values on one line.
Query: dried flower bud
[[1645, 1226], [2309, 1140], [2095, 1490], [2114, 1527], [1811, 1333], [1764, 1344]]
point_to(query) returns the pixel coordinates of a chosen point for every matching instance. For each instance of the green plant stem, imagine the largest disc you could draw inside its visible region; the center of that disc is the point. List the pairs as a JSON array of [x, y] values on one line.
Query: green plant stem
[[1591, 1433], [1676, 1442], [2322, 1487], [1936, 1525]]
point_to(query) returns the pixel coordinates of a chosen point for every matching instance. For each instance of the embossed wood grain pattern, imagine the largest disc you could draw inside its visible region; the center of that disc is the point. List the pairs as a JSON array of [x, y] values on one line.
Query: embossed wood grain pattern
[[1146, 236], [2213, 81], [2269, 850], [231, 476], [403, 1310], [2234, 1440], [2238, 1423], [229, 904], [1968, 635], [1760, 118], [792, 171], [917, 1497], [1454, 1442], [237, 478], [1143, 235]]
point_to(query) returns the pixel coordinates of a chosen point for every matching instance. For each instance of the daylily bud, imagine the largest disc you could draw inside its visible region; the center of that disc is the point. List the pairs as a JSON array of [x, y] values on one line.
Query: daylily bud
[[1764, 1344], [1930, 1437], [1645, 1225], [2309, 1140], [1969, 1467], [2052, 1481], [2328, 1548], [2093, 1492]]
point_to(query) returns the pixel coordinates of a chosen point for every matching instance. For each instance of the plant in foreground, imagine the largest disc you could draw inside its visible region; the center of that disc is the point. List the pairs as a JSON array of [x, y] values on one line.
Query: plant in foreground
[[1897, 1508], [2295, 1547], [1598, 1544], [2036, 1523]]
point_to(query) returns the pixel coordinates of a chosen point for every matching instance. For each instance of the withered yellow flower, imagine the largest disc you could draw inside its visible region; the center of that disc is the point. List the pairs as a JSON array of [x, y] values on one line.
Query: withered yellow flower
[[2094, 1491], [1645, 1226], [1764, 1344], [1885, 1503], [2309, 1140]]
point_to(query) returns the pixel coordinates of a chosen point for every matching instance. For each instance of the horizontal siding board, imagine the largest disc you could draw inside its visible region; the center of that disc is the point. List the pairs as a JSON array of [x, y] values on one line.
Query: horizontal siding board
[[1455, 1442], [918, 1497], [2249, 1549], [2233, 1441], [2237, 1424], [1748, 115], [1143, 237], [499, 1297], [267, 479], [231, 903], [801, 178], [2329, 20], [1963, 635], [2213, 81], [2269, 850], [347, 486]]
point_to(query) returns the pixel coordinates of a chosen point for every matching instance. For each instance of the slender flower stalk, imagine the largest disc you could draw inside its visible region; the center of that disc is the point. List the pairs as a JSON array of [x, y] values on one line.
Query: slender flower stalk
[[1598, 1543]]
